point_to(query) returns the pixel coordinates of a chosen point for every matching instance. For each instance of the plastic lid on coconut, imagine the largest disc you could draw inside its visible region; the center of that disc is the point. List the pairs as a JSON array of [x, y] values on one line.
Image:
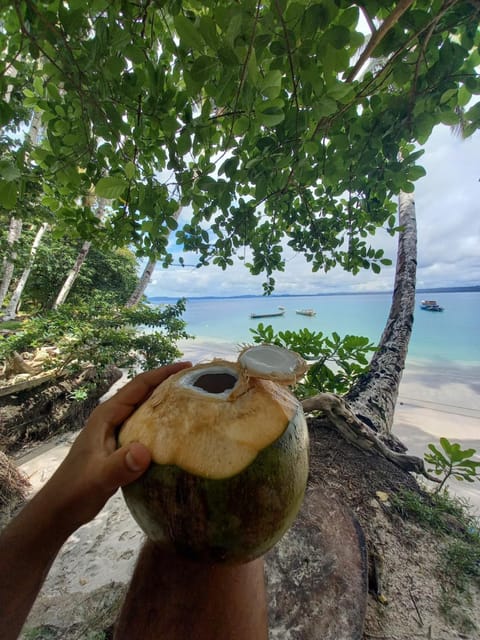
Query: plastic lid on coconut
[[270, 362]]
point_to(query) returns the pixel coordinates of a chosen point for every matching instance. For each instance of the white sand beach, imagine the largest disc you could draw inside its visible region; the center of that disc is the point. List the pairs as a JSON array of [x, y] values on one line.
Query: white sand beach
[[430, 405]]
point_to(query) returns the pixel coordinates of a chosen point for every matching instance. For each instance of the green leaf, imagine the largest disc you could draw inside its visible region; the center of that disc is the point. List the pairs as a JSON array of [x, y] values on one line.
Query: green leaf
[[272, 83], [111, 187], [129, 170], [9, 171], [190, 36], [8, 194]]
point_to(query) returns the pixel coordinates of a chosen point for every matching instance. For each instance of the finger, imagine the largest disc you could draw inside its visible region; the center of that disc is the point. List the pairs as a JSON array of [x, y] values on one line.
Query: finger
[[125, 466], [117, 409]]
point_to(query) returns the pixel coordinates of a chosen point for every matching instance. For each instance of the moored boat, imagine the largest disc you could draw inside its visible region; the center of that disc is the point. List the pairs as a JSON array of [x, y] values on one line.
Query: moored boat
[[267, 315], [430, 305], [306, 312]]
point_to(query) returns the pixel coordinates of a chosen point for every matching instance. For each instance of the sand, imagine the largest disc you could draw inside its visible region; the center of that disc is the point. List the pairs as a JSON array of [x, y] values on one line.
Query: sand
[[431, 405]]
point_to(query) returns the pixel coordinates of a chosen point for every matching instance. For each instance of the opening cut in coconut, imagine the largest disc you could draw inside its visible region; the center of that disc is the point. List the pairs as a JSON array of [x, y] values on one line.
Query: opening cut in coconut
[[272, 363], [217, 381]]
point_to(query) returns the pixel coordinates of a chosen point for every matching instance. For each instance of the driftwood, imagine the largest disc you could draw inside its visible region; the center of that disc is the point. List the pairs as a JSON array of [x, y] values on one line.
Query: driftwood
[[28, 383]]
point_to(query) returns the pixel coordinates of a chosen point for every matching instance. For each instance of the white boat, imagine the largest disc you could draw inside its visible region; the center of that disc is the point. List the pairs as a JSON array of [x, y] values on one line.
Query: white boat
[[306, 312]]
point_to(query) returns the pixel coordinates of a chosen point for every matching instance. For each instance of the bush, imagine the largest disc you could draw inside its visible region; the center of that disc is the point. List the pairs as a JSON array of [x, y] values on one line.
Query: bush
[[102, 332], [336, 362]]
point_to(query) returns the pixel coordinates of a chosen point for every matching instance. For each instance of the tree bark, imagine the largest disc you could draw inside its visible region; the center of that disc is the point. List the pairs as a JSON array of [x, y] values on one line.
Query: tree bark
[[374, 396], [142, 284], [72, 276], [146, 275], [14, 233], [364, 416], [11, 311], [82, 256], [15, 229]]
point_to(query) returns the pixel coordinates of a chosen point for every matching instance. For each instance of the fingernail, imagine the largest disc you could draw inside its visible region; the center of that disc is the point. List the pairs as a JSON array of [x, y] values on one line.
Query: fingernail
[[131, 463]]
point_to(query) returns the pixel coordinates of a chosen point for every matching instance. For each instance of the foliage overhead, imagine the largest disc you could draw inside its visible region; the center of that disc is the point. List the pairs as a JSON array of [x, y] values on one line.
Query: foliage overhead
[[272, 120]]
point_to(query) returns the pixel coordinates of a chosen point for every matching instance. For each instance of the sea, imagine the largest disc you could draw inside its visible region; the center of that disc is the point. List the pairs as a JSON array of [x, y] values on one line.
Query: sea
[[447, 338]]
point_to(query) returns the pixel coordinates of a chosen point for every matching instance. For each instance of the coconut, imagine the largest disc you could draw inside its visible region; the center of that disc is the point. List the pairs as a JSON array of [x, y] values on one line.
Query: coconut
[[229, 448]]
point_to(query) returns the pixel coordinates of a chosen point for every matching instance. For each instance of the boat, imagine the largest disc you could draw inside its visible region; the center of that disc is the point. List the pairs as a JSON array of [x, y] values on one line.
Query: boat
[[306, 312], [267, 315], [430, 305]]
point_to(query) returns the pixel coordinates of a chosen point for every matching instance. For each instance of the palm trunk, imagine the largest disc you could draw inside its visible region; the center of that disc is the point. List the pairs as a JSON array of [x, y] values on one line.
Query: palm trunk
[[11, 311], [373, 397], [146, 275]]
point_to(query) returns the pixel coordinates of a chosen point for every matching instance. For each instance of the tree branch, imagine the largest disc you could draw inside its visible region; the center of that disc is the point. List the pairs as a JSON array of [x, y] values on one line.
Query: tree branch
[[378, 36]]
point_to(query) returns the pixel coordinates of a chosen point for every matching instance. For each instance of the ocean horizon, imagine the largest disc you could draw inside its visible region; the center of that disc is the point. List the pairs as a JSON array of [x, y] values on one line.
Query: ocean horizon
[[442, 339]]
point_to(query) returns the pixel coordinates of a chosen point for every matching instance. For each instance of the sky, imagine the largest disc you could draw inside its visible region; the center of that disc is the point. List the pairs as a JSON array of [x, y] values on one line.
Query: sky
[[447, 207]]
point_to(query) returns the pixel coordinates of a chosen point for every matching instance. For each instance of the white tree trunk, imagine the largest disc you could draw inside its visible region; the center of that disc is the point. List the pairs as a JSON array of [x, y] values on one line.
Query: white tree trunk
[[142, 284], [75, 270], [14, 233], [11, 311], [146, 275], [72, 275], [15, 230]]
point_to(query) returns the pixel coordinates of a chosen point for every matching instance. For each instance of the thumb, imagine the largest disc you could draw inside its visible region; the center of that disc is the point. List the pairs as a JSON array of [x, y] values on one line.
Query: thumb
[[126, 465]]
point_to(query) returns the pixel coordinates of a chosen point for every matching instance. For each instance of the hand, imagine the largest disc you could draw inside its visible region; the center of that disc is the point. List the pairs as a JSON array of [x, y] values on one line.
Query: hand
[[94, 468]]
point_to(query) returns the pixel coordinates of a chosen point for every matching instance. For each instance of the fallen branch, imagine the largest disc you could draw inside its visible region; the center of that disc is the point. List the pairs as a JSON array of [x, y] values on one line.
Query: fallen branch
[[337, 413]]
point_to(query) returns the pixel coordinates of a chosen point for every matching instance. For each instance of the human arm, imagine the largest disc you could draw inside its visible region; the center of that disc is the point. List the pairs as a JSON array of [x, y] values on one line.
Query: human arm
[[86, 479]]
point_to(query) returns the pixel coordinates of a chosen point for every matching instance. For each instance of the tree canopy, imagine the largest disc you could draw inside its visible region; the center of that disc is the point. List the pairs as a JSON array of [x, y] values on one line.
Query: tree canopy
[[287, 120]]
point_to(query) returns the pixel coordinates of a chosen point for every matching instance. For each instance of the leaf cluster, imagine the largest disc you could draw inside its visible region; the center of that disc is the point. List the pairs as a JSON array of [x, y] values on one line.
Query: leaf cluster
[[451, 461], [335, 362], [256, 115]]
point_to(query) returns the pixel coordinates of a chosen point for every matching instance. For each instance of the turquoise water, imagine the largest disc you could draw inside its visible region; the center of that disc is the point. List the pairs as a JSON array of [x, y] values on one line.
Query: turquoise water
[[451, 336]]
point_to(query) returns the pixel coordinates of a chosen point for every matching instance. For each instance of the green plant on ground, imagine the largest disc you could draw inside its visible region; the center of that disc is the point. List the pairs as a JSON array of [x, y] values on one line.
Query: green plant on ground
[[451, 519], [452, 462], [335, 362], [103, 333], [10, 325], [40, 633]]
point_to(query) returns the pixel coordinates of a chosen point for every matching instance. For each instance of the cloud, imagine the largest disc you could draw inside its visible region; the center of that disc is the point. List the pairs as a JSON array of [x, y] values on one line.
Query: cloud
[[447, 201]]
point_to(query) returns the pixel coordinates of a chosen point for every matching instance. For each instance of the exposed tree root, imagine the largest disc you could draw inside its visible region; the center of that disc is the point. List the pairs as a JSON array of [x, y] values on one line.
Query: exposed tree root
[[336, 411]]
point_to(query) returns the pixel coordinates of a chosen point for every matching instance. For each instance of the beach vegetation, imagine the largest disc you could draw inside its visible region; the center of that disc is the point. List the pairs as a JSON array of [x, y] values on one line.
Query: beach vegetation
[[457, 529], [449, 460], [101, 332], [335, 362]]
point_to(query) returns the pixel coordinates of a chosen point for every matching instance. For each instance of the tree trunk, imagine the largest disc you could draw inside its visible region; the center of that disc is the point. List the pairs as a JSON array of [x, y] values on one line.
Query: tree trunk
[[364, 415], [142, 284], [146, 275], [15, 229], [374, 396], [75, 270], [14, 233], [11, 311], [72, 276]]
